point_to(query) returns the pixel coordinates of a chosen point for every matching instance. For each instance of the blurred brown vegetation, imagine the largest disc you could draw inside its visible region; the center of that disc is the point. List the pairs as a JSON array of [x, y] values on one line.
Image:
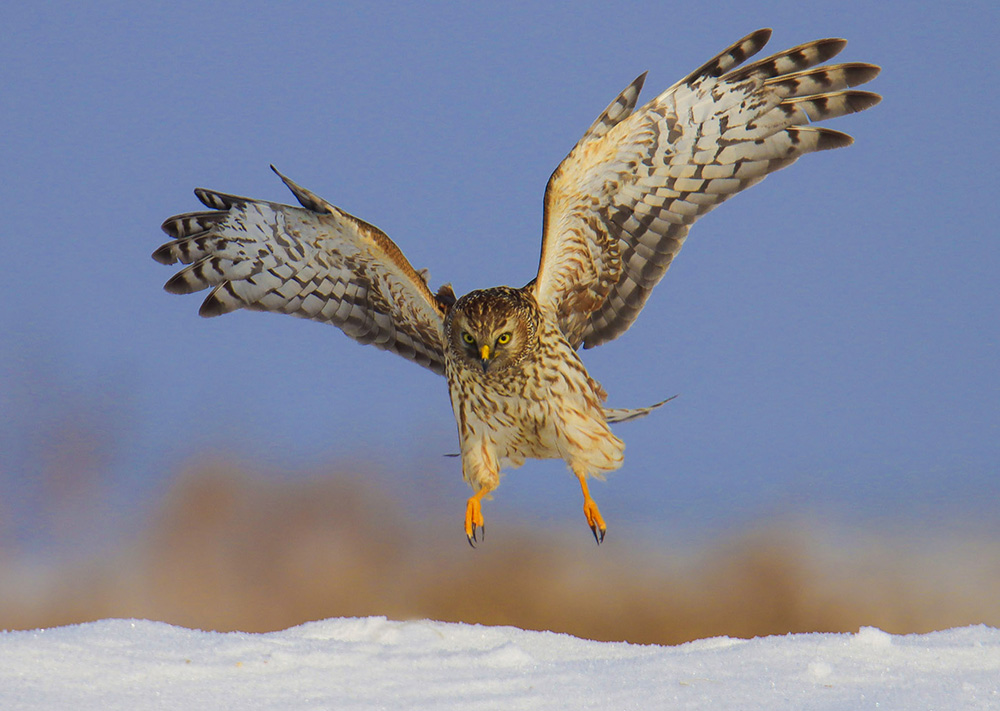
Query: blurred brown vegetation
[[233, 551]]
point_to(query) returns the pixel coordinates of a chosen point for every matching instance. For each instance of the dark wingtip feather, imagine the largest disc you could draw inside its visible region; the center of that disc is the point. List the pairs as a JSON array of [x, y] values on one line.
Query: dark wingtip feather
[[740, 52], [165, 254], [732, 56], [761, 36], [830, 139], [828, 48], [212, 306], [171, 227], [178, 284], [861, 100], [858, 73]]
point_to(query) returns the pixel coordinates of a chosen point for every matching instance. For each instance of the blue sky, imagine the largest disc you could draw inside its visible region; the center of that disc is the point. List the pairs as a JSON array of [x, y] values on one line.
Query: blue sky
[[832, 333]]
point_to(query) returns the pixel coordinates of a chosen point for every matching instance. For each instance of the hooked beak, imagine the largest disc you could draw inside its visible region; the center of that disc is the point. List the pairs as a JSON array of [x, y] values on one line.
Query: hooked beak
[[484, 357]]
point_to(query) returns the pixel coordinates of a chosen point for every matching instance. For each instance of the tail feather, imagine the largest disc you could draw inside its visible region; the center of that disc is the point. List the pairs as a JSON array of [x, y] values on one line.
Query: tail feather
[[622, 414]]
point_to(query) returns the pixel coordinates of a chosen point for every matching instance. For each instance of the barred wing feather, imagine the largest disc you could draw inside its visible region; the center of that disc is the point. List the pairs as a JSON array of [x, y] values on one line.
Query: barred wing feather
[[315, 262], [619, 206]]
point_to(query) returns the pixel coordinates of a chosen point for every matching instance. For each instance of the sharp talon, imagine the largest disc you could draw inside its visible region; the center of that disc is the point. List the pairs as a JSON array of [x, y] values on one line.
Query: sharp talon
[[475, 527], [598, 534], [594, 518]]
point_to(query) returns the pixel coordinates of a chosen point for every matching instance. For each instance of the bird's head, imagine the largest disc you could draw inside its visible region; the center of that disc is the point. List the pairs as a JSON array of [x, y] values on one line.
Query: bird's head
[[491, 330]]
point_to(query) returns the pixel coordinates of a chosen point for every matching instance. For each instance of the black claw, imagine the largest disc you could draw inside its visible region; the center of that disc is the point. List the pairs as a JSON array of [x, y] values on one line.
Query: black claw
[[474, 538], [598, 534]]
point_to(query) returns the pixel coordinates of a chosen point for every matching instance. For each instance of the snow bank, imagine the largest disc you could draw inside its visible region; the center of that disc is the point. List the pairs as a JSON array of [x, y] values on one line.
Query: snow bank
[[376, 663]]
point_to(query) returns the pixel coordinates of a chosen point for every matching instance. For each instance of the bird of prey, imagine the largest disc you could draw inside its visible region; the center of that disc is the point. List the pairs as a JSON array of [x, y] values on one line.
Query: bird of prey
[[617, 210]]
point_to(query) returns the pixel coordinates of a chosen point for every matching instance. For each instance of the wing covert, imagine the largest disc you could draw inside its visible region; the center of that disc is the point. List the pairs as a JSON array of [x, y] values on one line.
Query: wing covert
[[316, 262], [619, 206]]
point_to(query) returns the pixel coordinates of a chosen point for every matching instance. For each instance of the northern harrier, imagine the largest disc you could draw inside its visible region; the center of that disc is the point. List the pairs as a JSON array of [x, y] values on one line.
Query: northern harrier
[[617, 210]]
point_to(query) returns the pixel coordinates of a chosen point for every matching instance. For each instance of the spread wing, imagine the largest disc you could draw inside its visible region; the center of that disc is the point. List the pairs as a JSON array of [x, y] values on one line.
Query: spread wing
[[315, 262], [619, 206]]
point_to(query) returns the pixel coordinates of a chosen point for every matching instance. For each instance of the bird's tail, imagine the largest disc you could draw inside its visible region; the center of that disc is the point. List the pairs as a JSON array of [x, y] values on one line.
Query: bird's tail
[[622, 414]]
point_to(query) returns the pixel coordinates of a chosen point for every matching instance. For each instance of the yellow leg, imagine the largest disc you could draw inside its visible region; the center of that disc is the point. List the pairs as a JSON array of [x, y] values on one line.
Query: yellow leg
[[590, 510], [474, 516]]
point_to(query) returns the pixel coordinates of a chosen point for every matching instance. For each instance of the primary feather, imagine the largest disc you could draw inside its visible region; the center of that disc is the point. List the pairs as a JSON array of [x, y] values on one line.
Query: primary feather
[[619, 207], [315, 262]]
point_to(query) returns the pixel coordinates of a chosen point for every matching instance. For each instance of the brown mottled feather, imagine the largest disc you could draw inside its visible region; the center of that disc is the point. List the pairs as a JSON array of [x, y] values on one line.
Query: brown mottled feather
[[619, 207], [315, 262]]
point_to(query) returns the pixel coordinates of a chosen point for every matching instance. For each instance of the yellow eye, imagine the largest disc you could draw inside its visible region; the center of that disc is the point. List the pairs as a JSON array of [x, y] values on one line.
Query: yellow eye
[[467, 337], [504, 338]]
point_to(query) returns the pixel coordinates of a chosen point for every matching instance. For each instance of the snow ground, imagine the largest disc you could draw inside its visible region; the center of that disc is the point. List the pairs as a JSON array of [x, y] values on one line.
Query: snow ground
[[374, 663]]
